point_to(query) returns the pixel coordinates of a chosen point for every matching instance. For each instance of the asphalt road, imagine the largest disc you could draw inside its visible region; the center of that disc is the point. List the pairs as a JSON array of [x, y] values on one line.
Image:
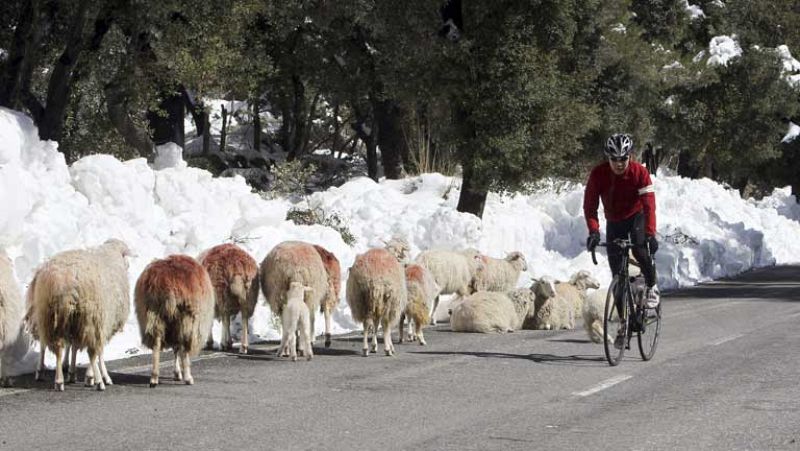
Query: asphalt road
[[725, 377]]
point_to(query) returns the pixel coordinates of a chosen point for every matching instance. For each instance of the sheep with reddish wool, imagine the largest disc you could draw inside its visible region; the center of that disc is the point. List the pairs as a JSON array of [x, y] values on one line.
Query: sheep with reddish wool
[[12, 311], [422, 290], [376, 294], [331, 299], [294, 261], [453, 271], [81, 298], [234, 275], [174, 301]]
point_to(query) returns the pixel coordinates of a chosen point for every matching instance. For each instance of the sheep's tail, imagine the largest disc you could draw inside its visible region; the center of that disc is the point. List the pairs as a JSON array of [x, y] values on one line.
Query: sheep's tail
[[238, 289], [418, 311], [62, 314]]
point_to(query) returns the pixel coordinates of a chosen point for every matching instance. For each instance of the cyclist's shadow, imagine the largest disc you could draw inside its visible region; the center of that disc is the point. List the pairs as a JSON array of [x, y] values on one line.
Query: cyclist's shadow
[[574, 359]]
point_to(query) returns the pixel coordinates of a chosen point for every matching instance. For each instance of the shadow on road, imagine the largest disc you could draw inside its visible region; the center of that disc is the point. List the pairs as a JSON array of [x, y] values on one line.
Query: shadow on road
[[538, 358]]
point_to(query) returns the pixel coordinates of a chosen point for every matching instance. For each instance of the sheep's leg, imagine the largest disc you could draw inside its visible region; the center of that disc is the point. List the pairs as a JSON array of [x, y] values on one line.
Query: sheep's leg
[[39, 374], [88, 378], [327, 314], [187, 368], [103, 370], [365, 347], [292, 345], [5, 380], [305, 341], [245, 341], [72, 363], [433, 310], [59, 381], [311, 325], [156, 362], [418, 332], [225, 343], [374, 346], [177, 370], [388, 346], [210, 340], [400, 327], [101, 386]]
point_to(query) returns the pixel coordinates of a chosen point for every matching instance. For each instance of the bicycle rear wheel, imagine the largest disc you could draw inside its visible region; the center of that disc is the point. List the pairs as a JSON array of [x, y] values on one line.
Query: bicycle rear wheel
[[648, 340], [614, 322]]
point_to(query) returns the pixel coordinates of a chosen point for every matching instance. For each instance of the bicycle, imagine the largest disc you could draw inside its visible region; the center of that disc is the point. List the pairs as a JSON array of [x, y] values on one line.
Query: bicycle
[[631, 315]]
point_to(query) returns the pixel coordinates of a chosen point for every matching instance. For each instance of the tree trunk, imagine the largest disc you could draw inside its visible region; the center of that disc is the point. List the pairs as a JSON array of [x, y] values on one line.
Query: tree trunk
[[16, 77], [223, 133], [367, 134], [256, 126], [117, 105], [472, 198], [394, 147], [167, 125], [206, 133]]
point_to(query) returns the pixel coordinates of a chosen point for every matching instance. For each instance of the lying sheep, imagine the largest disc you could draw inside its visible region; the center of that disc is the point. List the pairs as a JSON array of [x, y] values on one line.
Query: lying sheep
[[453, 271], [234, 275], [551, 312], [331, 299], [376, 294], [492, 311], [574, 291], [81, 298], [294, 261], [500, 274], [174, 301], [11, 314], [296, 319], [422, 289], [593, 311]]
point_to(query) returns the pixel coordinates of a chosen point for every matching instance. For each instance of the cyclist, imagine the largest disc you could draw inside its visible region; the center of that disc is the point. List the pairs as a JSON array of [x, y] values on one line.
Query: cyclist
[[629, 204]]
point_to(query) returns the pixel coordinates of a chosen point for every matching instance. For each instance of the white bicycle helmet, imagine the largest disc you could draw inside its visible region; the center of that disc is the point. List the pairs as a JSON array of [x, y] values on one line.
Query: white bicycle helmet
[[618, 145]]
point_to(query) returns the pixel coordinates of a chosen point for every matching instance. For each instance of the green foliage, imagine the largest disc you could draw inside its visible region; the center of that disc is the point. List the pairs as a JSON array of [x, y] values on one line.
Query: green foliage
[[311, 216], [292, 179]]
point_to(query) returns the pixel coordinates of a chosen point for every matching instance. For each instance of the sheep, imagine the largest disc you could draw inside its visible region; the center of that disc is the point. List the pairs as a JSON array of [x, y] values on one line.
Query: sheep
[[174, 303], [398, 247], [500, 274], [574, 291], [294, 261], [11, 316], [422, 289], [550, 311], [453, 271], [491, 311], [82, 298], [593, 312], [376, 294], [331, 299], [296, 319], [234, 275]]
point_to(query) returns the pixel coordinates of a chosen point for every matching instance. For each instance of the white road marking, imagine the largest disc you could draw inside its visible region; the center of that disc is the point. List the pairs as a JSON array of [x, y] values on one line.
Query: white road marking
[[603, 385], [726, 339], [794, 315]]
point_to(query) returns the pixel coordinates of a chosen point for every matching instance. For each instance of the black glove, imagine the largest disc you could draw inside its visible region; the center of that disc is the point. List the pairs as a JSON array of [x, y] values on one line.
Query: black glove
[[592, 241], [652, 243]]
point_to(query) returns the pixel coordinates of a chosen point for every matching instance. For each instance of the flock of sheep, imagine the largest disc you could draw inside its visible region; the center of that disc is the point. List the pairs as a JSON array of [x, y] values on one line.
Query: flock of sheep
[[79, 299]]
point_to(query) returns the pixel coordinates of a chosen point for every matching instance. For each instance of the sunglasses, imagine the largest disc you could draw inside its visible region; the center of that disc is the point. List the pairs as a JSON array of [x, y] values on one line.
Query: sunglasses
[[618, 159]]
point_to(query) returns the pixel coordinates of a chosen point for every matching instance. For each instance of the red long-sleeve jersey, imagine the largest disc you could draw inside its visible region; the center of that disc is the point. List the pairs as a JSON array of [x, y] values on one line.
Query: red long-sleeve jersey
[[623, 196]]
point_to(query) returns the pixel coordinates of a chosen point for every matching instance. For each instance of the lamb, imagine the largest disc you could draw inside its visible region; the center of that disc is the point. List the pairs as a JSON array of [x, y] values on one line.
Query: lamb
[[376, 294], [500, 274], [294, 261], [11, 315], [81, 298], [453, 271], [174, 302], [296, 319], [491, 311], [234, 275], [422, 289], [574, 291], [331, 299]]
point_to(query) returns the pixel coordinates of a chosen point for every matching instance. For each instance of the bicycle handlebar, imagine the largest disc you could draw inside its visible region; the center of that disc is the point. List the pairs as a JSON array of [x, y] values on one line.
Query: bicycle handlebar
[[619, 242]]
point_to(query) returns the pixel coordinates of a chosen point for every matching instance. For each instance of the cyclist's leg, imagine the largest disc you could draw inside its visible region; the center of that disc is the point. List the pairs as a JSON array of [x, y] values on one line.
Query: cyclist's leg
[[640, 250], [616, 230]]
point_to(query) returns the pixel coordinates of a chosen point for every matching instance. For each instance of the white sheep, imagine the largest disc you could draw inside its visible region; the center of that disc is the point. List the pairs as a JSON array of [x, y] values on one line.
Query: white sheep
[[296, 319], [174, 301], [493, 311], [593, 312], [500, 274], [551, 312], [575, 291], [12, 312], [422, 290], [81, 298], [234, 274], [453, 271], [376, 294], [294, 261]]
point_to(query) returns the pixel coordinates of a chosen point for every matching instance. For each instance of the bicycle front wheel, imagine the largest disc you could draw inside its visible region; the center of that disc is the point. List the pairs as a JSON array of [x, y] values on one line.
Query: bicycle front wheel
[[615, 322], [648, 340]]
